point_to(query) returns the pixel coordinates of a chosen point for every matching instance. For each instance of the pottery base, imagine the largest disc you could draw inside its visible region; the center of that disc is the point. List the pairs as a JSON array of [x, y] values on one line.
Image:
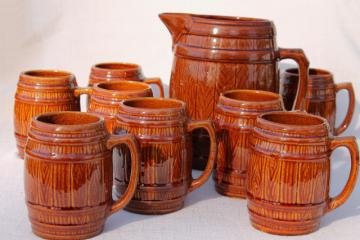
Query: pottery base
[[155, 207], [280, 227], [231, 190], [20, 144]]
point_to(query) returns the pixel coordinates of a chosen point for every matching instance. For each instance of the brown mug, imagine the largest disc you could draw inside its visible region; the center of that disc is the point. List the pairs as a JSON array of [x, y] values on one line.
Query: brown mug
[[289, 172], [40, 91], [321, 95], [162, 130], [112, 71], [213, 54], [234, 119], [105, 98], [69, 174]]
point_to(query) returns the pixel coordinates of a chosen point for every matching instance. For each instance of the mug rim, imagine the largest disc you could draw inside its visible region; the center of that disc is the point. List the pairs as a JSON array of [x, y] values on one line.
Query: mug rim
[[55, 126], [276, 125], [129, 66], [276, 97], [145, 86], [62, 74], [153, 111], [317, 72]]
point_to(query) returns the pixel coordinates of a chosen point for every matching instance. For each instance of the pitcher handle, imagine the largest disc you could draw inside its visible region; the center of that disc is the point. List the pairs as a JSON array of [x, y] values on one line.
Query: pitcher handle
[[350, 144], [298, 56], [132, 144], [208, 126], [156, 81], [350, 111]]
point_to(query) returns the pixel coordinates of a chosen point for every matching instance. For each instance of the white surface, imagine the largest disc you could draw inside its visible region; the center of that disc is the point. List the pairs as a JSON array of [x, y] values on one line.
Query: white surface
[[73, 35]]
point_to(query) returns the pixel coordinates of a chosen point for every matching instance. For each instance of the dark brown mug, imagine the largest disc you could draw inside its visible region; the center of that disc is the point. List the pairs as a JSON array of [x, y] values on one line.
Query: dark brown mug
[[105, 98], [113, 71], [321, 95], [213, 54], [40, 91], [162, 130], [69, 174], [289, 172], [234, 119]]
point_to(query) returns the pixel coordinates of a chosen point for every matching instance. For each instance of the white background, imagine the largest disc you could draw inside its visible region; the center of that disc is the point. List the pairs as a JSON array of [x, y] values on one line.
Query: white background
[[73, 35]]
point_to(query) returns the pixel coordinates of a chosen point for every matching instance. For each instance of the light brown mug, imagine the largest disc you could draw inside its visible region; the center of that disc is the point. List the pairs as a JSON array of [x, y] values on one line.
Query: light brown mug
[[162, 130], [113, 71], [105, 98], [69, 174], [289, 172], [235, 115], [40, 91]]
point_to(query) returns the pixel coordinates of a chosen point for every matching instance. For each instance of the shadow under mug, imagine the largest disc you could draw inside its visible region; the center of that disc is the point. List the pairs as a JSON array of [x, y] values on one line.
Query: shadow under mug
[[289, 172], [104, 98], [162, 130], [69, 174], [113, 71]]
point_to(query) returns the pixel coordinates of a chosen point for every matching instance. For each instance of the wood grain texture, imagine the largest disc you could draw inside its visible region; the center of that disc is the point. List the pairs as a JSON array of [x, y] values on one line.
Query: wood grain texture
[[213, 54], [163, 131], [321, 96], [69, 175], [41, 91], [289, 172], [234, 119]]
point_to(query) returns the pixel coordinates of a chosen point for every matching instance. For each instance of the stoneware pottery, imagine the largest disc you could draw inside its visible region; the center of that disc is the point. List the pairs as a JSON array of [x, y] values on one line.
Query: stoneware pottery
[[69, 174], [289, 172], [105, 97], [213, 54], [162, 129], [321, 95], [113, 71], [234, 119], [40, 91]]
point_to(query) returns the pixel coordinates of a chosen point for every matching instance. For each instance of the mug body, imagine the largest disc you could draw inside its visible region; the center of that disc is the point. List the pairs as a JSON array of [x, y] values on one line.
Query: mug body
[[68, 175], [113, 71], [105, 98], [321, 93], [40, 91], [234, 119], [159, 126], [288, 172]]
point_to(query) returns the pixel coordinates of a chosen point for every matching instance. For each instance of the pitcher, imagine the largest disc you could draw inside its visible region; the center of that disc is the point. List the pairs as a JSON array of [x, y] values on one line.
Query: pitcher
[[216, 53]]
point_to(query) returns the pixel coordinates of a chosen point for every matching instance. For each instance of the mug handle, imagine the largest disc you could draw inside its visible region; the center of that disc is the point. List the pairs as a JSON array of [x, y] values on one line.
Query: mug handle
[[350, 144], [208, 126], [346, 122], [132, 144], [156, 81], [298, 56], [82, 90]]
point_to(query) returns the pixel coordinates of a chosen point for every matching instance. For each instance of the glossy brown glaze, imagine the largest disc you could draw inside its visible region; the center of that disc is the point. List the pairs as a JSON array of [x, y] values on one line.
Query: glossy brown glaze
[[40, 91], [114, 71], [162, 129], [289, 172], [234, 119], [213, 54], [321, 95], [105, 97], [69, 174]]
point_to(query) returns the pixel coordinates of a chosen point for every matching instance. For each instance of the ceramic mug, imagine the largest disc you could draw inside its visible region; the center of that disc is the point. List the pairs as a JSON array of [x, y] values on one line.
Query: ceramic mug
[[321, 95], [162, 130], [40, 91], [289, 172], [69, 174], [112, 71], [105, 98], [234, 119]]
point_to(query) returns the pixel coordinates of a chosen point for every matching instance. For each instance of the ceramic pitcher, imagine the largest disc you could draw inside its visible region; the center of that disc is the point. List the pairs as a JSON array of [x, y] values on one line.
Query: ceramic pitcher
[[213, 54]]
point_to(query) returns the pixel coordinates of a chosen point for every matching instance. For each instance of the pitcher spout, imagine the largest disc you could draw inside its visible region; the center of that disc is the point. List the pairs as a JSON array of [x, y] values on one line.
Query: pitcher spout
[[176, 23]]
